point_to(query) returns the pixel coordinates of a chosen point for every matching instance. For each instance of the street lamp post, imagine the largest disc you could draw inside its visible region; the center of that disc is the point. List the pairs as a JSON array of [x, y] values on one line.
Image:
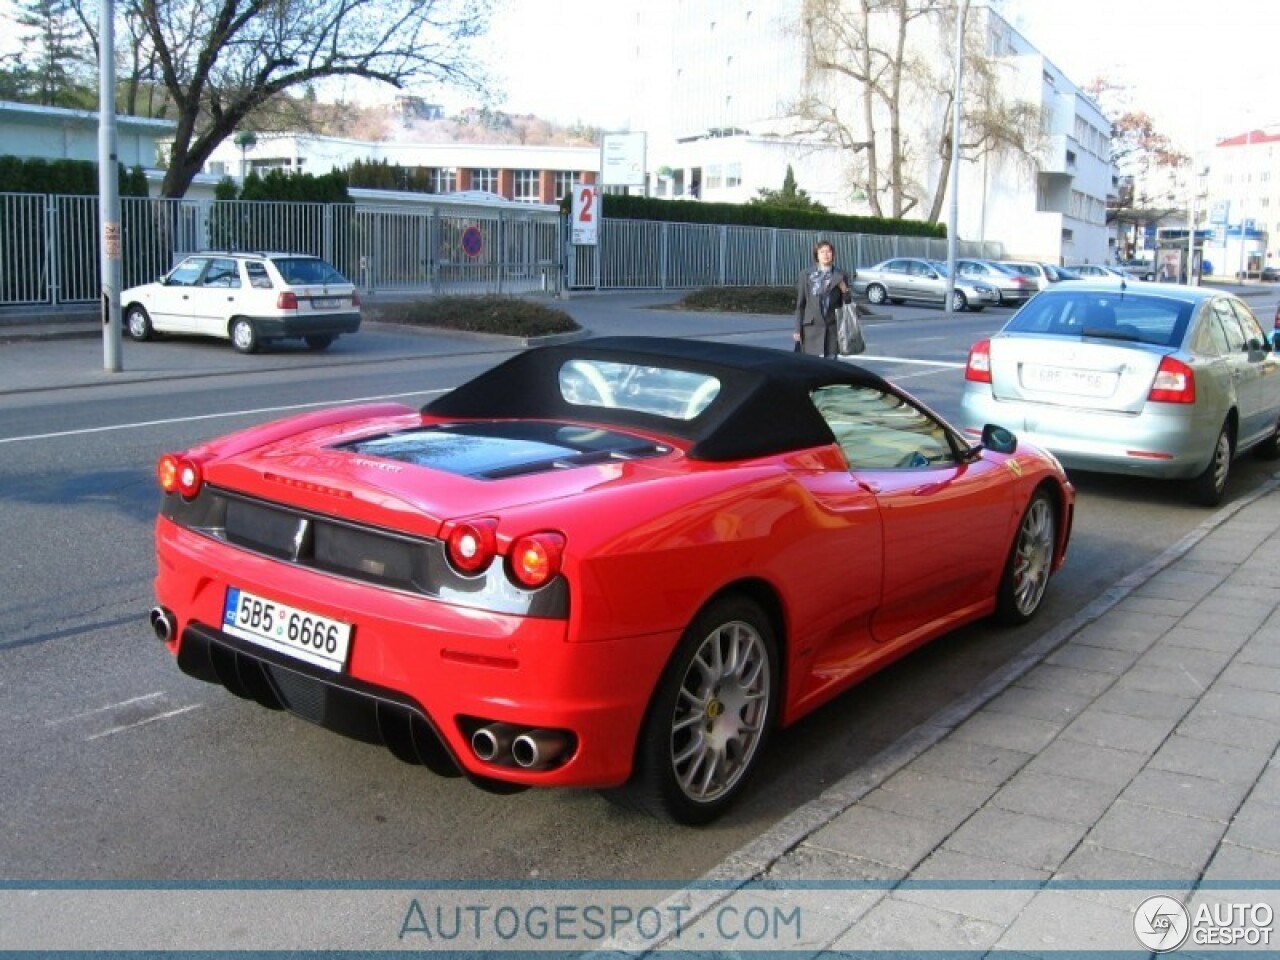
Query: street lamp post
[[953, 180], [246, 140], [1244, 196]]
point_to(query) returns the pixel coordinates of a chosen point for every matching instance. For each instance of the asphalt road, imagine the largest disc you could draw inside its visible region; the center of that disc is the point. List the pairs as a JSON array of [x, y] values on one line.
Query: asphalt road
[[118, 767]]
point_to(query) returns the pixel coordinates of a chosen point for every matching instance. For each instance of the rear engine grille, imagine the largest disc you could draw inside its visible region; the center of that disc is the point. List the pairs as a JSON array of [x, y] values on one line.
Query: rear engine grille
[[373, 555]]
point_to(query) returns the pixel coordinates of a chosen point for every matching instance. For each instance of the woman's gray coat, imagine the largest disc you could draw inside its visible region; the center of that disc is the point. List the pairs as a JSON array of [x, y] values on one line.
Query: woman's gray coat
[[818, 300]]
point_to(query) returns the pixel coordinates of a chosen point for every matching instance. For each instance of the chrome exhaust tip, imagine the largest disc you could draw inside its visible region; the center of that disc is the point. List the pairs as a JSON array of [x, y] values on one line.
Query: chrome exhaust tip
[[492, 742], [539, 749], [162, 623]]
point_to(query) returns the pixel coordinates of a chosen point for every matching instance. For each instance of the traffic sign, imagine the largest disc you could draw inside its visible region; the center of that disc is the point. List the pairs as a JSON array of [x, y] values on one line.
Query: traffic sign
[[585, 214], [472, 241]]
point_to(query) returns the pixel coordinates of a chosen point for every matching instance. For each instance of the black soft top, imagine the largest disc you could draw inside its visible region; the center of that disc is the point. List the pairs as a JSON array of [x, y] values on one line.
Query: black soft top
[[763, 407]]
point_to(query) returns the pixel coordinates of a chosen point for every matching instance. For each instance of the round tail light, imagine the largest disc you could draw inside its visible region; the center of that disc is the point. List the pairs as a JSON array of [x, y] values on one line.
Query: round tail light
[[535, 558], [178, 474], [472, 544]]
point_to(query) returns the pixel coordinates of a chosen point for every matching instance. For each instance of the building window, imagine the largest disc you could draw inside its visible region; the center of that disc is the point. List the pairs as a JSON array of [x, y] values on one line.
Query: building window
[[443, 180], [564, 183], [528, 183], [485, 178], [711, 179], [733, 175]]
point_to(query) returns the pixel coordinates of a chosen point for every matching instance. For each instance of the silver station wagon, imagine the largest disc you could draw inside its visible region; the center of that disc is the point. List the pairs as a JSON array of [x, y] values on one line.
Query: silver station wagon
[[1152, 380]]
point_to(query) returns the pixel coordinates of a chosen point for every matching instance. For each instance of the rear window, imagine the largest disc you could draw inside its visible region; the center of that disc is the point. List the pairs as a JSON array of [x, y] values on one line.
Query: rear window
[[303, 270], [664, 392], [1119, 316]]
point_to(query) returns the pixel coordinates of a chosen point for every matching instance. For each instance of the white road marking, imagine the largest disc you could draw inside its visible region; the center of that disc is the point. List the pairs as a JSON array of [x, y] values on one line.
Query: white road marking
[[216, 416], [947, 364], [111, 706], [140, 723]]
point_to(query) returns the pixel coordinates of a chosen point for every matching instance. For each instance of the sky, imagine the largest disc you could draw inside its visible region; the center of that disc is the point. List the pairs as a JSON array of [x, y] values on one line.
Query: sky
[[1203, 70]]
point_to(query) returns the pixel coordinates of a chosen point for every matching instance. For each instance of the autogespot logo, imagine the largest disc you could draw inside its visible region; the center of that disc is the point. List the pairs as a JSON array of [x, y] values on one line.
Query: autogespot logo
[[1162, 924]]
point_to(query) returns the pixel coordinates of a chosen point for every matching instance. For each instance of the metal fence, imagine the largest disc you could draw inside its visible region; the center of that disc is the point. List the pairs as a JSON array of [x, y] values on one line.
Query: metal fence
[[635, 254], [49, 247]]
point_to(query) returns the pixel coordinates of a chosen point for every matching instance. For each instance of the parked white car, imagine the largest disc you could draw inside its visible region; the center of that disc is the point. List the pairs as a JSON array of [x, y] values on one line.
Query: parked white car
[[1099, 273], [247, 298]]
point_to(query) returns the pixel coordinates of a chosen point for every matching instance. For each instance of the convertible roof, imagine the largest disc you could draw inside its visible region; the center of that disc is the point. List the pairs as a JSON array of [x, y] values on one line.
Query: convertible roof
[[763, 407]]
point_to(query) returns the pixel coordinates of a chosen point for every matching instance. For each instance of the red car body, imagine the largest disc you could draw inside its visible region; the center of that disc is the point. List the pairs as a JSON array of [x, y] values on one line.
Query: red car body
[[363, 520]]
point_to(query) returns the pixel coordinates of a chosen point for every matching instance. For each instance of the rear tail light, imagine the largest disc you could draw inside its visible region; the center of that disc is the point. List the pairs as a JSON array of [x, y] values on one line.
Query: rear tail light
[[287, 300], [472, 544], [536, 558], [1175, 382], [179, 474], [978, 369]]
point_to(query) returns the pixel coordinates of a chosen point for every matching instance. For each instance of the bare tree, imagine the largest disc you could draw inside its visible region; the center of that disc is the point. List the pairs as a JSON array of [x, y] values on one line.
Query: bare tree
[[226, 63], [874, 55]]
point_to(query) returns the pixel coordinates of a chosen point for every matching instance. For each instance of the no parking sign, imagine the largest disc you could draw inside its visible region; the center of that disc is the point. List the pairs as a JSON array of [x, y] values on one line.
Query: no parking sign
[[472, 241]]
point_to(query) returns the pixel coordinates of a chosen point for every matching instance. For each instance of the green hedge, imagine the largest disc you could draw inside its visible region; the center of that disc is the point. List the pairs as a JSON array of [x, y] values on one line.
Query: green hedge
[[77, 177], [626, 207]]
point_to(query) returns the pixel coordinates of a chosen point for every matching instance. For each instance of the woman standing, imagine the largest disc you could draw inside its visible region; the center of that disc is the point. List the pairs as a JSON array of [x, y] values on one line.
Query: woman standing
[[820, 293]]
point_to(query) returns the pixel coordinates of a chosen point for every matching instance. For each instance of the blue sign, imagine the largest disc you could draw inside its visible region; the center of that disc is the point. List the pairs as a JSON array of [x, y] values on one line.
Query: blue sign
[[472, 241]]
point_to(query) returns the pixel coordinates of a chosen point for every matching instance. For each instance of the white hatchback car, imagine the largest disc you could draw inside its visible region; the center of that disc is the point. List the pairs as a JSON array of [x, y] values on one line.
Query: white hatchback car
[[247, 298]]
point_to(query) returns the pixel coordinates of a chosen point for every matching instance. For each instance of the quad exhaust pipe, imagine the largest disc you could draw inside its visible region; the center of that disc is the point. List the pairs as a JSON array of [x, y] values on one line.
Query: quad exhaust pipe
[[162, 623], [532, 749]]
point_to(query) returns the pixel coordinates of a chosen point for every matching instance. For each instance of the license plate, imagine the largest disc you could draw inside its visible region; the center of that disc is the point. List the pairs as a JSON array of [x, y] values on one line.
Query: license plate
[[325, 303], [306, 636], [1082, 383]]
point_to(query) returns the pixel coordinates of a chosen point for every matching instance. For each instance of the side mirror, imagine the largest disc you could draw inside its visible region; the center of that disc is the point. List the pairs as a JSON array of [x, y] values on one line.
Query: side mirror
[[998, 439]]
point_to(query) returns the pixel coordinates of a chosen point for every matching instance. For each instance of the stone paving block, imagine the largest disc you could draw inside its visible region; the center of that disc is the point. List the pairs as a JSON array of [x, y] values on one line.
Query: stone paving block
[[1056, 798], [1250, 584], [1229, 614], [1163, 680], [1253, 676], [1049, 676], [1016, 838], [1214, 761], [1242, 701], [807, 862], [1230, 729], [929, 796], [1070, 758], [1092, 862], [1084, 656], [1143, 703], [1107, 634], [1235, 863], [1201, 667], [1268, 785], [1052, 922], [1179, 583], [1137, 603], [1052, 705], [1186, 842], [977, 762], [1197, 639], [881, 836], [1257, 826], [1184, 793], [986, 889], [944, 864], [896, 924], [1104, 729], [994, 729], [1262, 648]]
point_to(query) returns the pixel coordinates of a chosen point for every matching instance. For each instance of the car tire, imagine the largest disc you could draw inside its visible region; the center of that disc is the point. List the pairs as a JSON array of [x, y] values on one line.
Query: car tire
[[1026, 572], [959, 302], [709, 718], [244, 336], [319, 341], [138, 322], [877, 294], [1208, 488]]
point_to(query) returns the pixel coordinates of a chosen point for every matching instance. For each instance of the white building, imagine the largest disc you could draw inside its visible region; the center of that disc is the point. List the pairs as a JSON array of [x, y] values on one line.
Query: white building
[[716, 81], [55, 133], [1243, 200]]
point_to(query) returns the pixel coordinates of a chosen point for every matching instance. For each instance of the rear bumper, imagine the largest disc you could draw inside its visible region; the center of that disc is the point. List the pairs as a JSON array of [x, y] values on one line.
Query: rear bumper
[[323, 324], [1164, 441], [422, 674]]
